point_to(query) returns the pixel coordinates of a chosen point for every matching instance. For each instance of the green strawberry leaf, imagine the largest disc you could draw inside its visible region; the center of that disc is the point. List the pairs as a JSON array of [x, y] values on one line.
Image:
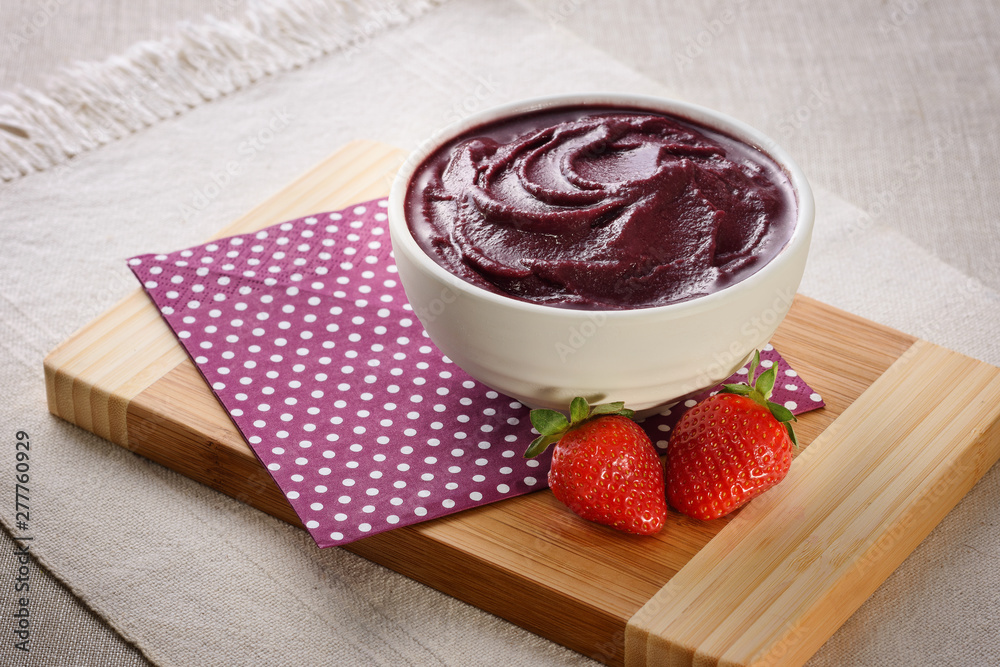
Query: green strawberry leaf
[[740, 389], [765, 382], [754, 363], [784, 416], [548, 422], [579, 410], [791, 435], [610, 409], [540, 444], [781, 413]]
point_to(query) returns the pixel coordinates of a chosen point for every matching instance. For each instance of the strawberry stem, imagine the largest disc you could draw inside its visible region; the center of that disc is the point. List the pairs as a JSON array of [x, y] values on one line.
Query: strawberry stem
[[552, 424], [759, 390]]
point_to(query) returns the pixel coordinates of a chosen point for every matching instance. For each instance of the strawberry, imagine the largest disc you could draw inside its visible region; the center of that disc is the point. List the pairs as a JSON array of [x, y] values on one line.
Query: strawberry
[[729, 448], [604, 467]]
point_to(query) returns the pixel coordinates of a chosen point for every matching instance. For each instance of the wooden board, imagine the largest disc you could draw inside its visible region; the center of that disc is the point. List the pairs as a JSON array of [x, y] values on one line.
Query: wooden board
[[881, 466]]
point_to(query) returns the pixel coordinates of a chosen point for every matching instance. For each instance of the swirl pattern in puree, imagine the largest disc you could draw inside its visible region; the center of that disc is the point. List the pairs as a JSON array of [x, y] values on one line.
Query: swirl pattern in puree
[[600, 208]]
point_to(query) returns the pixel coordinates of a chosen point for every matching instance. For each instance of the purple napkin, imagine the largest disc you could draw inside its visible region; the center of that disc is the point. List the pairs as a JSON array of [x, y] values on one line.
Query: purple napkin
[[305, 336]]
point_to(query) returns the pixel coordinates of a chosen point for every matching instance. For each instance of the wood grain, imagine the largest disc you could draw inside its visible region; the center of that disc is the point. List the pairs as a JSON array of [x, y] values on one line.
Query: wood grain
[[777, 583], [528, 559]]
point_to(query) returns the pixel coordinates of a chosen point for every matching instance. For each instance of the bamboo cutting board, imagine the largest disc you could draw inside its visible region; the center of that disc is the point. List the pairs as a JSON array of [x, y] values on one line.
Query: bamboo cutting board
[[881, 465]]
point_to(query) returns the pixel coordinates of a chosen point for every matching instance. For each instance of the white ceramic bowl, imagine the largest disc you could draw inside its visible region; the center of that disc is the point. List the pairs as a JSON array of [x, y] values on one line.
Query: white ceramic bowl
[[544, 356]]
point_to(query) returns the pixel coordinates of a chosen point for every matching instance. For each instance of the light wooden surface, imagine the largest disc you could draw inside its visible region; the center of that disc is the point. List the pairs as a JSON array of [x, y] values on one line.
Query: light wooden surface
[[776, 583], [882, 464]]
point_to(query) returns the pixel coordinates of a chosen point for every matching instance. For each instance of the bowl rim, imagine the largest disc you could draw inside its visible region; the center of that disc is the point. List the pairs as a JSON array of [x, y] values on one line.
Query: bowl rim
[[403, 239]]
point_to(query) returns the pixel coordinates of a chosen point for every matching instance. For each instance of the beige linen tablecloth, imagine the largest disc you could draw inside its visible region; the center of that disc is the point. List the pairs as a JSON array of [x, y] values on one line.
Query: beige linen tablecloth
[[890, 108]]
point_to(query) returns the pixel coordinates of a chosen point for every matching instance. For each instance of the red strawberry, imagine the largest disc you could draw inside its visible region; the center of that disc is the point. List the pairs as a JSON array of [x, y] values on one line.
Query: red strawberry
[[729, 448], [604, 466]]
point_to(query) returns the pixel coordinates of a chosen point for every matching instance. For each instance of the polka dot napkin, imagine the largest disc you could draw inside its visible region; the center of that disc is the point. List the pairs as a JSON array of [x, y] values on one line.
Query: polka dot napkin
[[305, 336]]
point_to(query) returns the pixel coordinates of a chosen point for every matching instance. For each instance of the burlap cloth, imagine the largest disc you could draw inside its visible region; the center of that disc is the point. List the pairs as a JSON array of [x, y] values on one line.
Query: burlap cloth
[[890, 108]]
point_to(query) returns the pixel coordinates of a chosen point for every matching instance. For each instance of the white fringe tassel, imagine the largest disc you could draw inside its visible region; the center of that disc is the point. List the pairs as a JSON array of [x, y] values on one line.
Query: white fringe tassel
[[93, 103]]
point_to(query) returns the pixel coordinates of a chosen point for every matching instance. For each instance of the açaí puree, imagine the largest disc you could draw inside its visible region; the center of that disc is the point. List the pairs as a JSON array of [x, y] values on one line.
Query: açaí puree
[[599, 208]]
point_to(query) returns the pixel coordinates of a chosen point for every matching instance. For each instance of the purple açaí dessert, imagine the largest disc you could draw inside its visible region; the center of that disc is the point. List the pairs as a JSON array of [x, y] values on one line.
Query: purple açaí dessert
[[600, 208]]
